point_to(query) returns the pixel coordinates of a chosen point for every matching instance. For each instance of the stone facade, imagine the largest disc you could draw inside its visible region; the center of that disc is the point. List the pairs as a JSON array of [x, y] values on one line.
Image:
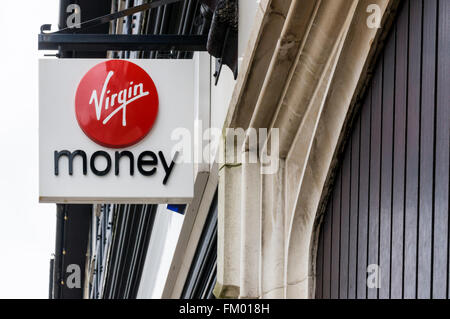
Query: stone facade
[[304, 71]]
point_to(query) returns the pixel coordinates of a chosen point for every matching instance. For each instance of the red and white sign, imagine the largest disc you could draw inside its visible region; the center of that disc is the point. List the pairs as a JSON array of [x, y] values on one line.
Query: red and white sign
[[106, 130], [116, 103]]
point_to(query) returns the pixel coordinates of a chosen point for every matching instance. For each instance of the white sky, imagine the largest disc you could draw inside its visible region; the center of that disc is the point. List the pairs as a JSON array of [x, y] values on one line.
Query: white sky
[[27, 228]]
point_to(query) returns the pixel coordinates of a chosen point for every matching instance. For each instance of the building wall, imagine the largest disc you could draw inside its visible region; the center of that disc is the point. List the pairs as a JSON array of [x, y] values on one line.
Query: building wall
[[303, 75], [212, 104], [222, 92], [389, 204]]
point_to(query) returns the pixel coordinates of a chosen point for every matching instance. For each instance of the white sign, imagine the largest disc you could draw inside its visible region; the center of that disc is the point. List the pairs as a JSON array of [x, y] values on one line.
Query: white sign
[[105, 130]]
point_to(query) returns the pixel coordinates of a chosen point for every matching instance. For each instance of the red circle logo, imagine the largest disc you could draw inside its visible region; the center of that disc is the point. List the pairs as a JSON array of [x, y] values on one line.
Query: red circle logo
[[116, 103]]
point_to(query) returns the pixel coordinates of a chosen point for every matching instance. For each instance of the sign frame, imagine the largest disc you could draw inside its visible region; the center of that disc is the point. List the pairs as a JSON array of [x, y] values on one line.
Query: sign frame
[[59, 131]]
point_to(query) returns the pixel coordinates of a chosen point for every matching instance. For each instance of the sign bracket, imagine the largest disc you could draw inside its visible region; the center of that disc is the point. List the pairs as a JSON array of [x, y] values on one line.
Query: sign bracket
[[71, 39]]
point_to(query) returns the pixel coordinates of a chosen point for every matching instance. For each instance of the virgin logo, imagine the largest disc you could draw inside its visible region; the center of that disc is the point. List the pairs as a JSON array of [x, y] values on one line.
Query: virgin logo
[[116, 103]]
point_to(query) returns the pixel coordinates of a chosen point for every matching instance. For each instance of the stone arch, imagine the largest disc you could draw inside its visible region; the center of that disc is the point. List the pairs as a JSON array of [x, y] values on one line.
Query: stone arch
[[349, 73]]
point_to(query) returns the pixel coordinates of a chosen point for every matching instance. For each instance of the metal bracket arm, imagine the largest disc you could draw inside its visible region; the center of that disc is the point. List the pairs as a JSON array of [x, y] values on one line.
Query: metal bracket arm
[[118, 42], [69, 39]]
